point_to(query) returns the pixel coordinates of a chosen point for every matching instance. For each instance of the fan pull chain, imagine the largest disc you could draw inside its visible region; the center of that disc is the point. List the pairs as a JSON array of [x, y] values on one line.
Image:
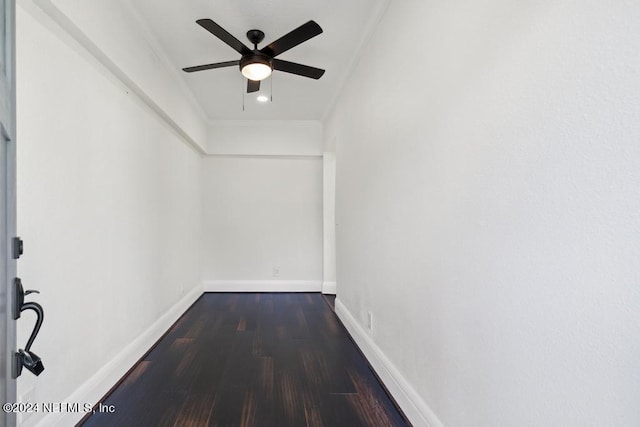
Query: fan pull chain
[[242, 90], [271, 89]]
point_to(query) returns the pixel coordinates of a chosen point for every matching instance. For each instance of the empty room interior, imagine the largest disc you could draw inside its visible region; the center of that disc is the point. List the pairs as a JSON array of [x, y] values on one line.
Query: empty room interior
[[452, 185]]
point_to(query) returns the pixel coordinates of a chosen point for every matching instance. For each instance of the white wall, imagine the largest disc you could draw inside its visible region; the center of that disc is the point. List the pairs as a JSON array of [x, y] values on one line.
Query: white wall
[[260, 214], [487, 210], [329, 284], [109, 207], [112, 32], [265, 137], [262, 206]]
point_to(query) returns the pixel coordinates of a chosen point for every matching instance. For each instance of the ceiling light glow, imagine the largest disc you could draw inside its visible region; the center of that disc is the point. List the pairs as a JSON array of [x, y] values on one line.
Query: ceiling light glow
[[256, 71], [262, 98]]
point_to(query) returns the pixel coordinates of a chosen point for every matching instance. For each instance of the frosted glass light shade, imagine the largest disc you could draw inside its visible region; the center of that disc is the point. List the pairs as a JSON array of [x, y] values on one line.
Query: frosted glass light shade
[[256, 71]]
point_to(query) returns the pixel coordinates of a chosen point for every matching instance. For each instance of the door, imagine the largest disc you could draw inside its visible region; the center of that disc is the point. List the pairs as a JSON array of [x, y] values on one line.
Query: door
[[7, 207]]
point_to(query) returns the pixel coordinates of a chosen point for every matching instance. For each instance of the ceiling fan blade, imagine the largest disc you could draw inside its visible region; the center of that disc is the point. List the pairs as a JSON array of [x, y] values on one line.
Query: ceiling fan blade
[[253, 85], [292, 39], [299, 69], [210, 66], [223, 35]]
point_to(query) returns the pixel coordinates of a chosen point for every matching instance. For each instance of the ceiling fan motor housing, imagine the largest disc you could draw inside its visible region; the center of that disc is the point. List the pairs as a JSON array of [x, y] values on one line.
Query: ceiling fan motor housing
[[256, 57]]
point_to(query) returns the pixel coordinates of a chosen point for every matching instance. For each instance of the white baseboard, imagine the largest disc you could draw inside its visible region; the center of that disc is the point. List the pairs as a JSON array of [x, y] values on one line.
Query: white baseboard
[[416, 409], [329, 288], [262, 285], [101, 382]]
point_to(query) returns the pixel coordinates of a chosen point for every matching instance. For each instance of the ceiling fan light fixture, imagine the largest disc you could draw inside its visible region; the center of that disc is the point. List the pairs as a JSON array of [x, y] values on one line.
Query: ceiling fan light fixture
[[256, 71], [256, 66]]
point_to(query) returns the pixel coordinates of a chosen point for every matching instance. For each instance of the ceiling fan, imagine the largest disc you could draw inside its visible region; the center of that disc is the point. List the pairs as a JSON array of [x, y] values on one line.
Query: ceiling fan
[[256, 64]]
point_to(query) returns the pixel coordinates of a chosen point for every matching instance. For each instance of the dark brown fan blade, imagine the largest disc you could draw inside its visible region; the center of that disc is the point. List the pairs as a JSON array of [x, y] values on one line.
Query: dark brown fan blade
[[253, 85], [210, 66], [292, 39], [223, 35], [299, 69]]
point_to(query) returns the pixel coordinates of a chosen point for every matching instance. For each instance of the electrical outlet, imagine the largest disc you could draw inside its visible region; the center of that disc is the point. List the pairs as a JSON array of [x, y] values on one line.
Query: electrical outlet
[[370, 321], [276, 271]]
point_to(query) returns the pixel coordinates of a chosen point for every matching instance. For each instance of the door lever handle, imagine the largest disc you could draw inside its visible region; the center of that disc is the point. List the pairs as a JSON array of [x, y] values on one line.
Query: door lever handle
[[26, 358], [40, 317]]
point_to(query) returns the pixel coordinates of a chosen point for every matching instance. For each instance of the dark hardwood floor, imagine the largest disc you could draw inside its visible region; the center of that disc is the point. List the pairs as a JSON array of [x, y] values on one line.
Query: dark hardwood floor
[[252, 359]]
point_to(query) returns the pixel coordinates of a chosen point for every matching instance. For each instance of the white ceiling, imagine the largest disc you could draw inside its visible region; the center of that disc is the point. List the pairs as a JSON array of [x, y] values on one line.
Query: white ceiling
[[346, 25]]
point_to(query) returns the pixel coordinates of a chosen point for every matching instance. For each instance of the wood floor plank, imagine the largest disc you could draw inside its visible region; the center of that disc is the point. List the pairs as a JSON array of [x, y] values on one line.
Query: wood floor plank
[[195, 412], [252, 359]]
